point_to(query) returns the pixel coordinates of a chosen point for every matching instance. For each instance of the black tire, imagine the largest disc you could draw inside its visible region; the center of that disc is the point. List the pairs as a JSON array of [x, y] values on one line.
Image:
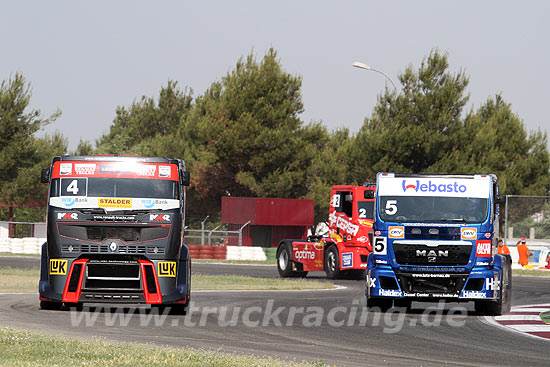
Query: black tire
[[503, 303], [178, 309], [332, 263], [284, 261], [50, 305], [382, 304]]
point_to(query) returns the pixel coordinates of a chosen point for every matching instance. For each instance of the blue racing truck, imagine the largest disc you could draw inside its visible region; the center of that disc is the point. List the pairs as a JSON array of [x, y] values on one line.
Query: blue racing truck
[[435, 238]]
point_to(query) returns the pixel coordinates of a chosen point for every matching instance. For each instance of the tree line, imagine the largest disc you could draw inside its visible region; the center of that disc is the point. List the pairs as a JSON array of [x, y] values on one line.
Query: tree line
[[244, 137]]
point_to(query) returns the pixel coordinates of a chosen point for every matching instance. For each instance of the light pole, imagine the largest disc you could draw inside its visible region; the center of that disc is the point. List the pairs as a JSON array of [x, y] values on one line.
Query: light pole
[[360, 65]]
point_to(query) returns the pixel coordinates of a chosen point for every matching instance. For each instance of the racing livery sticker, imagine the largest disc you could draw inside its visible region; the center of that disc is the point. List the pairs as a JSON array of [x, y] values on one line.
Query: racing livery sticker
[[380, 247], [114, 203], [58, 267], [396, 232], [159, 217], [164, 171], [67, 202], [347, 260], [483, 248], [468, 233], [86, 169], [167, 269], [67, 216], [65, 169]]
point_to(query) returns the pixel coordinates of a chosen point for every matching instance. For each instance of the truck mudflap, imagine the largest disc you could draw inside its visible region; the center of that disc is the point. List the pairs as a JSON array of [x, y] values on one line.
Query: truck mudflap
[[480, 284], [99, 281]]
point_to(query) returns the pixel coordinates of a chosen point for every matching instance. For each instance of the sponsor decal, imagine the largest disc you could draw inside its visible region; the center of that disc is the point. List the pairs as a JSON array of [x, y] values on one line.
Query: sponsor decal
[[468, 233], [363, 239], [159, 217], [372, 282], [148, 203], [377, 233], [343, 223], [68, 202], [167, 269], [65, 169], [390, 293], [430, 275], [378, 261], [146, 170], [487, 235], [304, 254], [114, 203], [347, 260], [67, 216], [416, 186], [114, 168], [483, 248], [164, 171], [58, 267], [482, 263], [396, 232], [365, 222], [473, 294], [85, 169], [491, 284]]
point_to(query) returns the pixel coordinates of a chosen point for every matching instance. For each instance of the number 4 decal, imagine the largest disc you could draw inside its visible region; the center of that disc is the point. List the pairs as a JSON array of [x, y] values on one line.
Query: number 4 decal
[[73, 187], [380, 247]]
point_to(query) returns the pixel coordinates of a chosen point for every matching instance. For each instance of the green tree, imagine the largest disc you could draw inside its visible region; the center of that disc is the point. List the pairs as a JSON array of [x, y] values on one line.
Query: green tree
[[410, 131], [246, 138], [135, 129], [20, 151]]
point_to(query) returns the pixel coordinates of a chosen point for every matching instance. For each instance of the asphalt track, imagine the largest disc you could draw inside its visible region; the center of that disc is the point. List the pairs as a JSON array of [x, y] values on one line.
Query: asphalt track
[[412, 339]]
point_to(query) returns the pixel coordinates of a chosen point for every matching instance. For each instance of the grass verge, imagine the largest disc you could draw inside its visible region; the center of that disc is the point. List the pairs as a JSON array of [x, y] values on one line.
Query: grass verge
[[531, 272], [26, 255], [254, 262], [545, 317], [31, 349], [15, 280]]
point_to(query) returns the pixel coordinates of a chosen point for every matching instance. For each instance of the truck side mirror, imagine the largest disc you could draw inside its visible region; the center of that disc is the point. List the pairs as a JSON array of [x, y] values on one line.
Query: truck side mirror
[[45, 175], [501, 199], [185, 178]]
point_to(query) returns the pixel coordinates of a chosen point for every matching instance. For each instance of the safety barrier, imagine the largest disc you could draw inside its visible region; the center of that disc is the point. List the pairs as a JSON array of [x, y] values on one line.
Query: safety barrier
[[26, 245]]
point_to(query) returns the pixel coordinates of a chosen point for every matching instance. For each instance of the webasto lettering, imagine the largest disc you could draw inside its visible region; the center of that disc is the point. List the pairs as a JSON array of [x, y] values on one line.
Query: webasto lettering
[[432, 187]]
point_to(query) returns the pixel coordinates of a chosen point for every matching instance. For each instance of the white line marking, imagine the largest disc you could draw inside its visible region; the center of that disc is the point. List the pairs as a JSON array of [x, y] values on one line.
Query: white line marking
[[530, 328], [517, 317]]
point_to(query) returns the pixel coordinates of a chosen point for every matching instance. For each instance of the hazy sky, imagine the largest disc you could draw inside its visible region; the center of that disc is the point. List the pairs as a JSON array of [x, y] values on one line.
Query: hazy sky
[[89, 57]]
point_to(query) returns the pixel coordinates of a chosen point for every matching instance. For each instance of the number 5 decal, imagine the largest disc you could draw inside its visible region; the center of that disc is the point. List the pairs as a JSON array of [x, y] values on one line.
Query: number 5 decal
[[380, 247], [391, 207]]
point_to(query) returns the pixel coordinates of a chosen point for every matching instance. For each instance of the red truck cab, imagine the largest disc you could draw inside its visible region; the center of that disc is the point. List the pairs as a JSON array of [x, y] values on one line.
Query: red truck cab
[[345, 248]]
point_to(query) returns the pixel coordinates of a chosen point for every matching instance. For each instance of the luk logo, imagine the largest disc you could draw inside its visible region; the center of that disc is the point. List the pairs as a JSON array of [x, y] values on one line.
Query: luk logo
[[159, 217], [483, 248], [67, 216], [396, 232], [58, 267], [167, 269], [467, 233], [148, 203], [68, 202]]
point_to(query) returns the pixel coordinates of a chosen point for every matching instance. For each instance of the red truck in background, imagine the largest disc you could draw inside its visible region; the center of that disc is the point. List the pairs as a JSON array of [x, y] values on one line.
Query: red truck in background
[[344, 250]]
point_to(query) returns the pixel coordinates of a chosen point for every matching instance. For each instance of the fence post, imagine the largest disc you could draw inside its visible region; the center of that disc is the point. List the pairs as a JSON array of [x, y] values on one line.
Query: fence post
[[202, 229], [241, 233], [210, 235], [506, 222]]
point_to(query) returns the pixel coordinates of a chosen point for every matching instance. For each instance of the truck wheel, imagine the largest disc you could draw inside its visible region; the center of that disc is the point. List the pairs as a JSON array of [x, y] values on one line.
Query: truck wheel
[[49, 305], [504, 301], [383, 304], [402, 302], [284, 264], [332, 265]]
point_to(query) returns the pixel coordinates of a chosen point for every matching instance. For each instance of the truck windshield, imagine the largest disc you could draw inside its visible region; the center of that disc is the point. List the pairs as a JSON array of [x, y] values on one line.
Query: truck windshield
[[115, 188], [433, 209], [365, 209]]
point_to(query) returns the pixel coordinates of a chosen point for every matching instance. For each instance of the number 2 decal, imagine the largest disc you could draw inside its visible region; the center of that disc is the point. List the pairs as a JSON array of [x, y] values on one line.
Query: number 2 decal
[[391, 207], [362, 213]]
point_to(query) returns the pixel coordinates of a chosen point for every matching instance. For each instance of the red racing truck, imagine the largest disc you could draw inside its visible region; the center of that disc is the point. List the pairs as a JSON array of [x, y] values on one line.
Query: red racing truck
[[115, 232], [344, 250]]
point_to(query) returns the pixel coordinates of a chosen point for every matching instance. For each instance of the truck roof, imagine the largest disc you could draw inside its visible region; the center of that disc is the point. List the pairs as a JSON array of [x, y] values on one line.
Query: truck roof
[[114, 158]]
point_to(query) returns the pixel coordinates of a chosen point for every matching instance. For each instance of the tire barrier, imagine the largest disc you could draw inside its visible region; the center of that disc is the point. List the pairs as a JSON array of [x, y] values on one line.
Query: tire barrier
[[26, 245]]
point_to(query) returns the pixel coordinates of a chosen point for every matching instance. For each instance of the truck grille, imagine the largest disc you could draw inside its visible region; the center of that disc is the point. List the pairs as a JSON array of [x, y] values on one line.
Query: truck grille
[[77, 248], [126, 233], [412, 253], [113, 276], [432, 283]]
